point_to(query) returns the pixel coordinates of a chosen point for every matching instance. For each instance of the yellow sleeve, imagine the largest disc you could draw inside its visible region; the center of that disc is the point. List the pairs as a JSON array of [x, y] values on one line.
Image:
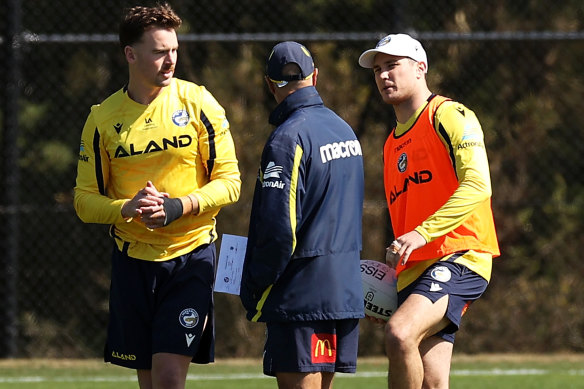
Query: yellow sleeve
[[91, 202], [461, 133], [218, 155]]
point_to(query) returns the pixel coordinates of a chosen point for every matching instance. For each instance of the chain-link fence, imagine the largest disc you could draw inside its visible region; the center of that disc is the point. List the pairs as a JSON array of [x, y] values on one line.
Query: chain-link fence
[[516, 64]]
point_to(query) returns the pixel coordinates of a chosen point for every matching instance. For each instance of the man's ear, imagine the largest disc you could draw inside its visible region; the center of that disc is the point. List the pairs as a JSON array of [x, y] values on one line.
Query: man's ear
[[423, 68], [129, 54], [314, 76]]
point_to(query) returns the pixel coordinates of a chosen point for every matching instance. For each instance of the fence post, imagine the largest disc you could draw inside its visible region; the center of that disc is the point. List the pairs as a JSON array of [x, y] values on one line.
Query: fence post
[[11, 178]]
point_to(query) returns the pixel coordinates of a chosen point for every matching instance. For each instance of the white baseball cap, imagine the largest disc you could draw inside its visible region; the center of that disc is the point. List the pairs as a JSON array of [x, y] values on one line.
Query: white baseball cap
[[401, 45]]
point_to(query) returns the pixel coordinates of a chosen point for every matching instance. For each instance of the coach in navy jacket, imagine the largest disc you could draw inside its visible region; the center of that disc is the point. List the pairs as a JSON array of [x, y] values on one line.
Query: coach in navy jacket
[[304, 241]]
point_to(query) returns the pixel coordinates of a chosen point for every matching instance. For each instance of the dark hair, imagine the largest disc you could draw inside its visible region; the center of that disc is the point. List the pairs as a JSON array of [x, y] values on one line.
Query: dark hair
[[138, 19]]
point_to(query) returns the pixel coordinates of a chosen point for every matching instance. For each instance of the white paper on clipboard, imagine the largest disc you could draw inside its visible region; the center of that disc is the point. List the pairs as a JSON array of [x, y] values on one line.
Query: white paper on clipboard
[[230, 265]]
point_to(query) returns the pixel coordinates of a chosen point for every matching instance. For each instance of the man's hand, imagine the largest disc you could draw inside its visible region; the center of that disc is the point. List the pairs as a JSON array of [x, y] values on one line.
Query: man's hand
[[401, 248], [161, 214], [147, 201], [157, 209]]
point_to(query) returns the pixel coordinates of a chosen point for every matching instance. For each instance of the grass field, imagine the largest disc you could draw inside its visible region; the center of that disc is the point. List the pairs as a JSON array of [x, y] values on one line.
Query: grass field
[[476, 372]]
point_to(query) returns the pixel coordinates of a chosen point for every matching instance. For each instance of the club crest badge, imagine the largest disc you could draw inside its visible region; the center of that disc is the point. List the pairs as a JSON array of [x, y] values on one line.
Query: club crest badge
[[188, 318], [402, 163], [180, 117], [441, 273]]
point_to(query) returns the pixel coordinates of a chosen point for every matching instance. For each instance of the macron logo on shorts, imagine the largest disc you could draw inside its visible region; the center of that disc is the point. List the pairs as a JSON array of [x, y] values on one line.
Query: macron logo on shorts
[[323, 348], [190, 338], [434, 287]]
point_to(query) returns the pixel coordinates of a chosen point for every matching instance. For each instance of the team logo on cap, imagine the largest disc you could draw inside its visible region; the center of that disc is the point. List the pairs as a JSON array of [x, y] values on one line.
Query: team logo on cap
[[383, 41], [188, 318], [402, 163]]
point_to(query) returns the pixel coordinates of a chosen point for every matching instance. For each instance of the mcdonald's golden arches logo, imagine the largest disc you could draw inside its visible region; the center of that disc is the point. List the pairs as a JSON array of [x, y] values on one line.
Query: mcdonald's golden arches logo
[[324, 348]]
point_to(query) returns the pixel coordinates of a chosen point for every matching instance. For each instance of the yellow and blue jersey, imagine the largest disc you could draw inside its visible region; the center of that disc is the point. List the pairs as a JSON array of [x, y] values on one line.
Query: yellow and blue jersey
[[181, 142]]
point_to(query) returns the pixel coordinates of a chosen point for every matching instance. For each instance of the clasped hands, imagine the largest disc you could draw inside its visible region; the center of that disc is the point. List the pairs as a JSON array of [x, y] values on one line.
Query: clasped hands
[[148, 205]]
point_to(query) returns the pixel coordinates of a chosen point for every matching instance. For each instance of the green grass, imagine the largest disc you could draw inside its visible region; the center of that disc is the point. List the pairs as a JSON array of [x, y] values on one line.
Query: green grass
[[476, 372]]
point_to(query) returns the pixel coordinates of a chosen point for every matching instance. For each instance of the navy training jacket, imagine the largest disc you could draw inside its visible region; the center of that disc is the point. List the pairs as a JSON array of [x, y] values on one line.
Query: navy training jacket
[[304, 240]]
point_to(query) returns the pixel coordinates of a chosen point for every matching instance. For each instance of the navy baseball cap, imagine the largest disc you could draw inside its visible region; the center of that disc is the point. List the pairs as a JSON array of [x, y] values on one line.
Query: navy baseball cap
[[289, 52]]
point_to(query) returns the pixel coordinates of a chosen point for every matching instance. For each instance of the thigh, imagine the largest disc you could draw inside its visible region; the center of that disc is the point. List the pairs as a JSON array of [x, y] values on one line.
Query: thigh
[[322, 380], [130, 310], [169, 370], [455, 282], [161, 307], [184, 303], [418, 318], [466, 289]]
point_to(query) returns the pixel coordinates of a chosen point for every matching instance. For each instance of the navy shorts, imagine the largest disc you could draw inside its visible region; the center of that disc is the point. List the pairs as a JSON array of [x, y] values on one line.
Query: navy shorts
[[161, 307], [311, 346], [462, 285]]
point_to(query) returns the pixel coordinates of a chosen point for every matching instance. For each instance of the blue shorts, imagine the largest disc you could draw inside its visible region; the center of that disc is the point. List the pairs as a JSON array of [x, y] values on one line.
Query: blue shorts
[[161, 307], [462, 285], [311, 346]]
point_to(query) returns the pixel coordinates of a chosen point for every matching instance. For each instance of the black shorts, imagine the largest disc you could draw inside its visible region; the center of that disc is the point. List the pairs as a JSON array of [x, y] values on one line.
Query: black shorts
[[462, 285], [311, 346], [161, 307]]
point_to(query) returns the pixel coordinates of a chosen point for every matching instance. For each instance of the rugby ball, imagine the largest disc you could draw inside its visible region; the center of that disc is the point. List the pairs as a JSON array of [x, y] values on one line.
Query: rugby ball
[[379, 289]]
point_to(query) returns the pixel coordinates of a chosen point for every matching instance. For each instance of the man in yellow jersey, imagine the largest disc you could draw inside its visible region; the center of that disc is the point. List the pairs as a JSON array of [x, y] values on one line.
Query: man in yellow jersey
[[157, 162], [438, 191]]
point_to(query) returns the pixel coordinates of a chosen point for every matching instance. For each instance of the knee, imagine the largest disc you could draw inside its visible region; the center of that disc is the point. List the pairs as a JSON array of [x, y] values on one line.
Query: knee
[[167, 378], [435, 382], [169, 371], [398, 338]]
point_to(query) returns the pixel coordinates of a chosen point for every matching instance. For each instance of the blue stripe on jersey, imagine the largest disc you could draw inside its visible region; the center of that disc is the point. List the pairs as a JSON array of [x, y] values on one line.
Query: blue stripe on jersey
[[212, 151], [98, 168], [450, 147], [444, 134]]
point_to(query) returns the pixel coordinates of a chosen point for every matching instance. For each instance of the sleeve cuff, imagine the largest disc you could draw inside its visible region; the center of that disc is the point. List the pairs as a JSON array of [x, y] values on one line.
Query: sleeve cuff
[[424, 234], [202, 205]]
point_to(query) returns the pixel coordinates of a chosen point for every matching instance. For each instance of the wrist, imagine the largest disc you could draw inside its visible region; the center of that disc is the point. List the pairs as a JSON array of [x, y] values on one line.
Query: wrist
[[125, 212], [423, 233], [173, 209], [194, 204]]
